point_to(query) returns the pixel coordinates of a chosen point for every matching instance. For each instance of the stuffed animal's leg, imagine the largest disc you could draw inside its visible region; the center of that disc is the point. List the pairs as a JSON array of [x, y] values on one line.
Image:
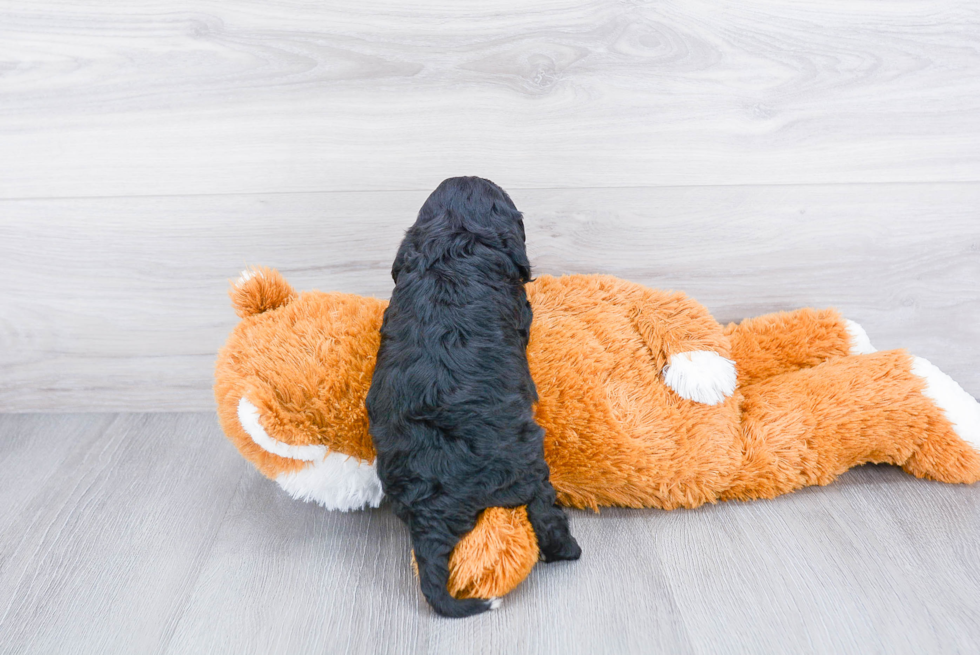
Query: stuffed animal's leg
[[809, 426], [778, 343]]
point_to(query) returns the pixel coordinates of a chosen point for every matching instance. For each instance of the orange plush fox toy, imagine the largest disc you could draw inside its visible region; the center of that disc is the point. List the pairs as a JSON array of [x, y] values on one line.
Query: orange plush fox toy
[[646, 401]]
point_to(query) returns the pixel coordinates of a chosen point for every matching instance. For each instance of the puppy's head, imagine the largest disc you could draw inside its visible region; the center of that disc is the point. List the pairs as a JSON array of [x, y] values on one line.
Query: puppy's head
[[290, 386], [467, 207]]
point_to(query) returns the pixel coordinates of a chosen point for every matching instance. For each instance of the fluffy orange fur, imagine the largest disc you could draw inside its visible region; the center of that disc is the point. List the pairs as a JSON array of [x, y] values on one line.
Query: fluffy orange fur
[[615, 435], [495, 556]]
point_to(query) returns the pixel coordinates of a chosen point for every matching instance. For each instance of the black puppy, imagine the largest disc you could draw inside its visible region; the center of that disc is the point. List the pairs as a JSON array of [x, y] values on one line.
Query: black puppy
[[450, 404]]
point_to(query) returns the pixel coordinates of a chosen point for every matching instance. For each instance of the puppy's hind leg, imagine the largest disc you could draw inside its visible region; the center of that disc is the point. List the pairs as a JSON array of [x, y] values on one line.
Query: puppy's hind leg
[[550, 525], [432, 551]]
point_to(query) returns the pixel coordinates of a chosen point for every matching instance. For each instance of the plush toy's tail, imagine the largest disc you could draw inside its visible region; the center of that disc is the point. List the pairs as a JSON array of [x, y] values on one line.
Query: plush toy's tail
[[258, 290]]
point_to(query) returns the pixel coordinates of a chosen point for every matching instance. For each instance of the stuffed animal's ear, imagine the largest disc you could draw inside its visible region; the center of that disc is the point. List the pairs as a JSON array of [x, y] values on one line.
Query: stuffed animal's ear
[[260, 289]]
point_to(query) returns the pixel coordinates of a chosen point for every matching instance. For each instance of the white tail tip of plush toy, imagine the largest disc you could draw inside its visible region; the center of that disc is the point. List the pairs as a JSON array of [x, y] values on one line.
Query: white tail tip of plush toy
[[703, 376], [860, 342], [495, 603], [962, 409]]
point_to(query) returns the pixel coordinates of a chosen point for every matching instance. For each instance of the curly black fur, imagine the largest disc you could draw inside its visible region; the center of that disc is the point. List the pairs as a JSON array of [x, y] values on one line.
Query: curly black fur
[[450, 404]]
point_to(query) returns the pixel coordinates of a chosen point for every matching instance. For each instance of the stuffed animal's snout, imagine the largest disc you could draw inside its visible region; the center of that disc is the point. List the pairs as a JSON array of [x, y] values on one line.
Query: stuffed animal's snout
[[332, 479]]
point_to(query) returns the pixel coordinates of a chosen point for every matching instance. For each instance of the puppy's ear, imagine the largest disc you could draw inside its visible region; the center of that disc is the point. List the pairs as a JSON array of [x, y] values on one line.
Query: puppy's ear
[[516, 250], [400, 259], [519, 257]]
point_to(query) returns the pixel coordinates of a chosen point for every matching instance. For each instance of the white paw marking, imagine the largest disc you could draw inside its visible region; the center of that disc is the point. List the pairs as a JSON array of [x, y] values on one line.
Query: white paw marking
[[333, 480], [495, 603], [703, 376], [962, 409], [860, 343]]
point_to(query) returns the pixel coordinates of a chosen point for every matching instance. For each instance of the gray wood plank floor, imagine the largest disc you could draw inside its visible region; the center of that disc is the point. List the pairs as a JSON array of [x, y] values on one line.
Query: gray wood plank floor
[[126, 533]]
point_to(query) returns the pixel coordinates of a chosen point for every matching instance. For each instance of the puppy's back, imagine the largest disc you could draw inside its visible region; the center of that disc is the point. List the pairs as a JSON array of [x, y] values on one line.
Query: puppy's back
[[450, 404], [458, 321]]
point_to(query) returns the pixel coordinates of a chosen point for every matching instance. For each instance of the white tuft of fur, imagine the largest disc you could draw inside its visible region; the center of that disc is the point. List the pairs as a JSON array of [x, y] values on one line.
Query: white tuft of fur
[[334, 480], [703, 376], [248, 416], [860, 343], [247, 275], [338, 482], [495, 603], [962, 409]]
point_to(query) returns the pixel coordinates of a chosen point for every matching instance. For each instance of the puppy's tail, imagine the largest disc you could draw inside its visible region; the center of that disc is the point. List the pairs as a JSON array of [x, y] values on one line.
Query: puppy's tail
[[258, 290], [433, 573]]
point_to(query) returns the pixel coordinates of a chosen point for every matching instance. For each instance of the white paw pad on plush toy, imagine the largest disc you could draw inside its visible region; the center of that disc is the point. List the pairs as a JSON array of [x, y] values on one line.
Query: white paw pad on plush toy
[[860, 341], [962, 409], [702, 376]]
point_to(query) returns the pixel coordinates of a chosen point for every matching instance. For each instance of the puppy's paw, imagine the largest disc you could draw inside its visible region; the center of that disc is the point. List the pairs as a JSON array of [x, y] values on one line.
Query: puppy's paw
[[565, 550], [703, 376]]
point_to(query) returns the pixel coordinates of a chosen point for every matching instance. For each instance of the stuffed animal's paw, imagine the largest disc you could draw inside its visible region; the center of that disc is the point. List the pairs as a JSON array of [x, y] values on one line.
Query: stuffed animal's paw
[[860, 343], [962, 409], [703, 376]]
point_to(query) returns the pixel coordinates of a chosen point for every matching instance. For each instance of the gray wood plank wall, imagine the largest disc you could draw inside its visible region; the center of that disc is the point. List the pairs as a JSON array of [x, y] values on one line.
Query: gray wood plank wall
[[759, 156]]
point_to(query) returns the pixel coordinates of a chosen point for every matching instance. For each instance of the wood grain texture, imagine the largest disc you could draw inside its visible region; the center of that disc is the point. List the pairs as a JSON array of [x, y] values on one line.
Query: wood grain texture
[[112, 517], [202, 97], [148, 533], [119, 303]]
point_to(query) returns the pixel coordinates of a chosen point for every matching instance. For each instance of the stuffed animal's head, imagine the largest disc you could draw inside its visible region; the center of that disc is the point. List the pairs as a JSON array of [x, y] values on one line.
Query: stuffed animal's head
[[290, 385]]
